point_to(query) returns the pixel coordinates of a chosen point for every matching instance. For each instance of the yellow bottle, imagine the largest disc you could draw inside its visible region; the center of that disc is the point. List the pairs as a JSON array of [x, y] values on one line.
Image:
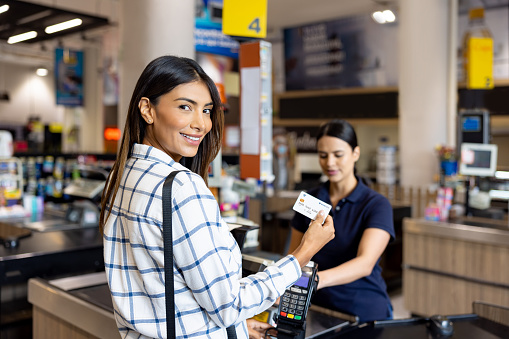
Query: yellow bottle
[[477, 30]]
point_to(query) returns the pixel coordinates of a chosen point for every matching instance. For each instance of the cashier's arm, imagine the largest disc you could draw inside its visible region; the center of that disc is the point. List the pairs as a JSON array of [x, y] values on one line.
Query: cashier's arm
[[372, 245]]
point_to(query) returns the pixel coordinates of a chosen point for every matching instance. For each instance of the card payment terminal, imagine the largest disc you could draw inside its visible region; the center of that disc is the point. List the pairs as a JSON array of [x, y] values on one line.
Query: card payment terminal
[[294, 304]]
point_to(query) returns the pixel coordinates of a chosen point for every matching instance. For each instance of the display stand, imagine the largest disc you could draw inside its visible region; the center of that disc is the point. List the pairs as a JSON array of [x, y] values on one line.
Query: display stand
[[255, 63]]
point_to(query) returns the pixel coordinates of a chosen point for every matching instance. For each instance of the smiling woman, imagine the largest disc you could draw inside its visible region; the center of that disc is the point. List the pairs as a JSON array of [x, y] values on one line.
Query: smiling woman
[[175, 115], [180, 121]]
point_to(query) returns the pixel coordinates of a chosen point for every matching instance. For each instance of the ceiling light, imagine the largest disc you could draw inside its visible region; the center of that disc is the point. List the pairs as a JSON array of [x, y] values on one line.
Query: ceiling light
[[389, 15], [4, 8], [378, 16], [42, 71], [383, 17], [21, 37], [63, 25]]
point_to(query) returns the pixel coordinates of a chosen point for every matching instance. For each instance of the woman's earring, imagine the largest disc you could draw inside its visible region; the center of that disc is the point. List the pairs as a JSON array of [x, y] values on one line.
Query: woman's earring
[[149, 121]]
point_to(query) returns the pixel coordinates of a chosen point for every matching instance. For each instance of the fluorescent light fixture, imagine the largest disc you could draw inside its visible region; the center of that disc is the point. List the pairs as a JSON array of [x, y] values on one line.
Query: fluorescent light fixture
[[21, 37], [383, 17], [4, 8], [63, 25], [42, 72]]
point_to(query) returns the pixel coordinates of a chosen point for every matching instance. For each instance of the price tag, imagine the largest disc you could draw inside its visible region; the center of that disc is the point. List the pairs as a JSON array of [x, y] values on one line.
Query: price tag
[[245, 18]]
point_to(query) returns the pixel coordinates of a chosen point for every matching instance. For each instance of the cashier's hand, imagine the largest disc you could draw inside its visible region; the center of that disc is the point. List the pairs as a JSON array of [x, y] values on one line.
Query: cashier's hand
[[257, 328], [315, 238]]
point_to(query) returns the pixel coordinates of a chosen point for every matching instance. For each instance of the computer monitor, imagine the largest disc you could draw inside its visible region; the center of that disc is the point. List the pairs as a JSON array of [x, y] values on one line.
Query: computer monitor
[[478, 159]]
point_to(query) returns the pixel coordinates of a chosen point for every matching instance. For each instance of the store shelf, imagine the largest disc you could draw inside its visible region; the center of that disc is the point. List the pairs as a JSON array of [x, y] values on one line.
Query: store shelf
[[336, 91], [499, 124], [318, 122]]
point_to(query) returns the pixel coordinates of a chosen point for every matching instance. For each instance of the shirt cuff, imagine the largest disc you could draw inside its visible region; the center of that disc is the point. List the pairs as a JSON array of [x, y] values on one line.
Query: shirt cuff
[[290, 268]]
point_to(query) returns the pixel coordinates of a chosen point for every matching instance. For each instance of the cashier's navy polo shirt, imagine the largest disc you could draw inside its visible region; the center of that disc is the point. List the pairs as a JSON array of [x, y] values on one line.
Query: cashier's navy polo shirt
[[363, 208]]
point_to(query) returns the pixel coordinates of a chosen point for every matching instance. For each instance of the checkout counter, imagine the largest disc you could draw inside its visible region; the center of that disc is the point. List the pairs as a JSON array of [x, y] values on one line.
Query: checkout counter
[[81, 306], [61, 256], [63, 240], [41, 254], [449, 265]]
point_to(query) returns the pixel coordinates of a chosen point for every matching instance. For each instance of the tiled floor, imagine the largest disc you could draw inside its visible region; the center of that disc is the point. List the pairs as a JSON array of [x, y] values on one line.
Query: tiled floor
[[399, 311]]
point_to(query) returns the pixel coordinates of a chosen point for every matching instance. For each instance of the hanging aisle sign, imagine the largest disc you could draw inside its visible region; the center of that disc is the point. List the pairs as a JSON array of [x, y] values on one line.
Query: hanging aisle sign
[[245, 18]]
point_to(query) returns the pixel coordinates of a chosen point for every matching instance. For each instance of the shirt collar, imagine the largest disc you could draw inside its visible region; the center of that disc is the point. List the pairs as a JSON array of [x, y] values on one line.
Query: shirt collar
[[358, 192], [141, 151]]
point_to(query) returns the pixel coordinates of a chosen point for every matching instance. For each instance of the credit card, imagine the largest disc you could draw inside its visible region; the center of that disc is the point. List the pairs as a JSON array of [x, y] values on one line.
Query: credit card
[[309, 206]]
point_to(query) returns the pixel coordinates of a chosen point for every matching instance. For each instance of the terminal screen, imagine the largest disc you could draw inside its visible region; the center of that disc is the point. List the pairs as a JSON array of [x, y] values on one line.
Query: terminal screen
[[303, 280], [471, 124], [481, 159], [478, 159]]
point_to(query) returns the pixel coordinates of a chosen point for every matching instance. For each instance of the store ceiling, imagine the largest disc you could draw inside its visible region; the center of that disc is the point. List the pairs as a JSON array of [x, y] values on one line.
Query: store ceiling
[[291, 13], [25, 16]]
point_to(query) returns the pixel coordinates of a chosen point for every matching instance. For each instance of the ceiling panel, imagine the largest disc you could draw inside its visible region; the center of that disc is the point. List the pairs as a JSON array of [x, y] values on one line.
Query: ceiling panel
[[25, 16]]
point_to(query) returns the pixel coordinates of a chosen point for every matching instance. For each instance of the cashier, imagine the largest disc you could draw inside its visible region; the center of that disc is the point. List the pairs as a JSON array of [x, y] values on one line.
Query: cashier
[[350, 278]]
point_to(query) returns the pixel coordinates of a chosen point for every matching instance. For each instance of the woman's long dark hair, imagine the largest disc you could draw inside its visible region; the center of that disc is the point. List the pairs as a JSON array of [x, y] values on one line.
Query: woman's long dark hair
[[339, 129], [161, 76]]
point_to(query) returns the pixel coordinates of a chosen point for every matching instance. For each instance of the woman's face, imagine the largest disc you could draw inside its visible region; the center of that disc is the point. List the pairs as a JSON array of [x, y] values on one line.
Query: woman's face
[[180, 121], [337, 158]]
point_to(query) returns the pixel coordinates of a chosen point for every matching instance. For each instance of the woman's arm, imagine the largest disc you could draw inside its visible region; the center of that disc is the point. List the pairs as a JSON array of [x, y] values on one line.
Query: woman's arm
[[295, 239], [210, 262], [319, 233], [372, 245]]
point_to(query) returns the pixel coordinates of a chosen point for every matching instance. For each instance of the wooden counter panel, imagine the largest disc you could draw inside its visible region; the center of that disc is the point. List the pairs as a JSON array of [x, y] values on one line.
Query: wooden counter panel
[[427, 294], [447, 266], [458, 257], [492, 312], [58, 314], [47, 326]]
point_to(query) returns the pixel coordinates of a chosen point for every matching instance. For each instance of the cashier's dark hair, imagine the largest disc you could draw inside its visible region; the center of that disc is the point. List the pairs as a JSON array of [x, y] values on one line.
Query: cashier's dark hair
[[161, 76], [340, 129]]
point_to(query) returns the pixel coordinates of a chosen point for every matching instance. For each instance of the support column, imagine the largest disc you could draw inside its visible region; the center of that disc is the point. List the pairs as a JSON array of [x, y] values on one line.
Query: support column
[[423, 39], [149, 29], [92, 127]]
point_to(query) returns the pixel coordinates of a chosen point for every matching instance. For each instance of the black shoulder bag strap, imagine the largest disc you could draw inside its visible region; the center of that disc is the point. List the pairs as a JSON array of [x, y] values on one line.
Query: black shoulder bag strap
[[169, 289]]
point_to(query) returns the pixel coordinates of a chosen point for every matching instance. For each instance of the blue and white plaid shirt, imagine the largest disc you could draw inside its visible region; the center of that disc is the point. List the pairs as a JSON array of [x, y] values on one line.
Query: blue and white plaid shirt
[[210, 293]]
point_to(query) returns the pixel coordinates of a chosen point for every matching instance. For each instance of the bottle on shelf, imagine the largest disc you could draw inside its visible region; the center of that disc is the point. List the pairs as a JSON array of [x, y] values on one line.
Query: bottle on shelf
[[477, 28], [39, 160]]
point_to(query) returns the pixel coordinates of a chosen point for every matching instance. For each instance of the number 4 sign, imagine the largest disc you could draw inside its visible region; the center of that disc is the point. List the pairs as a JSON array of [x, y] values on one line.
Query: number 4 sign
[[247, 18]]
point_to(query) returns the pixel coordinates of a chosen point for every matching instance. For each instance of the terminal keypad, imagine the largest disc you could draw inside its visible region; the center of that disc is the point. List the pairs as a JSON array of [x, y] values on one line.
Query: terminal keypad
[[293, 303]]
